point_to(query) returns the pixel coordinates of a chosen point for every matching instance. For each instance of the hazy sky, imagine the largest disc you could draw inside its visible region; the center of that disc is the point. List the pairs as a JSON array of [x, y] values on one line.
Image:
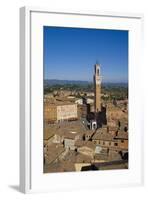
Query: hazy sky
[[70, 54]]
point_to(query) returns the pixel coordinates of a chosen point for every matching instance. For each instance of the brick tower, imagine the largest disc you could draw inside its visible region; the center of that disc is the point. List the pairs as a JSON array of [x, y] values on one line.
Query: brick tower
[[97, 88]]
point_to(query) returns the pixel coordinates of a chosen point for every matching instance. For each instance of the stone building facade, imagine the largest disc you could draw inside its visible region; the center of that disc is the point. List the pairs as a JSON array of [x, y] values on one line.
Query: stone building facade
[[60, 112]]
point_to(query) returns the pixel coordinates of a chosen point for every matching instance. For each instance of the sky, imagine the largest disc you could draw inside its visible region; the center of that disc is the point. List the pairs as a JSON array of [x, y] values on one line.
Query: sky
[[70, 54]]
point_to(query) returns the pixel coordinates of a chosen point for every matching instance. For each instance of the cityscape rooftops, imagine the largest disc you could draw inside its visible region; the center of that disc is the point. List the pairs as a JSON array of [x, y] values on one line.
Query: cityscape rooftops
[[101, 157], [81, 158], [70, 129], [103, 136], [52, 102], [55, 151], [49, 132], [60, 166], [88, 144], [122, 135], [102, 130]]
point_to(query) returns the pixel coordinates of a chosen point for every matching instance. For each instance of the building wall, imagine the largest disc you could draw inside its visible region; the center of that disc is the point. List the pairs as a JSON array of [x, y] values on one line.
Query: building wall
[[92, 109], [50, 113], [57, 139], [82, 111], [69, 143], [123, 144], [67, 112], [54, 112], [50, 140], [86, 151], [79, 101], [104, 143], [88, 136]]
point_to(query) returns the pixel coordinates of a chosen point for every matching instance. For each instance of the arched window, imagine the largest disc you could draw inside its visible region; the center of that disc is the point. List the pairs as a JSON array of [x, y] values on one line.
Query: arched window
[[98, 72]]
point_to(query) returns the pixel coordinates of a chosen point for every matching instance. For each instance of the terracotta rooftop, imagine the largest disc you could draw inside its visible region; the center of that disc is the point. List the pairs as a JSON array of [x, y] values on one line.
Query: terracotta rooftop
[[122, 135], [70, 128], [101, 157], [65, 129], [89, 132], [101, 130], [49, 132], [54, 152], [113, 128], [103, 136], [88, 144], [80, 158]]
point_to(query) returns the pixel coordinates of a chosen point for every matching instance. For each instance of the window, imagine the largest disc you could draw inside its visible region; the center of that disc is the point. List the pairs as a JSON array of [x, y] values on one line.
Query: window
[[115, 144], [98, 72], [122, 141]]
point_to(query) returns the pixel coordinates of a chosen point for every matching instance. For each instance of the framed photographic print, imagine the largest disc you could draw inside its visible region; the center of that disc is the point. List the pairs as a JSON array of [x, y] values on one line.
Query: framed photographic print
[[80, 100]]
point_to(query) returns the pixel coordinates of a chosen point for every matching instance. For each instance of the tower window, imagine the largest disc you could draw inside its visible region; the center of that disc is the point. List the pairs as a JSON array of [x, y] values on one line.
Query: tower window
[[98, 72]]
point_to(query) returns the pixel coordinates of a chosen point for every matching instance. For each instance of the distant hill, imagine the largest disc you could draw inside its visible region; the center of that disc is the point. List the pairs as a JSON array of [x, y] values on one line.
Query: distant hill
[[111, 84], [51, 82]]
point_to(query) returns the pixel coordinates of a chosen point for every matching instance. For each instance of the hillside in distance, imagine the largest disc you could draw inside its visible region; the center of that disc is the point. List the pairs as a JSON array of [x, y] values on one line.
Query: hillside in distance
[[52, 82]]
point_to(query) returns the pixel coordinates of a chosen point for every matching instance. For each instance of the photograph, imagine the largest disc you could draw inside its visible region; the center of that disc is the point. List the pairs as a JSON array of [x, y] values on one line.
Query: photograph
[[85, 99]]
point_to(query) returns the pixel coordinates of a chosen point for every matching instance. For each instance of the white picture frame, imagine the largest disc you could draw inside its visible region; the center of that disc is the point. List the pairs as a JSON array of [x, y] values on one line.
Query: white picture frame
[[32, 178]]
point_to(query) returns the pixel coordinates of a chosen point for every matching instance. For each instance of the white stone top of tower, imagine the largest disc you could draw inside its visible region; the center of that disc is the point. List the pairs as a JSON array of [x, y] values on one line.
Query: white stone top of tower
[[97, 69]]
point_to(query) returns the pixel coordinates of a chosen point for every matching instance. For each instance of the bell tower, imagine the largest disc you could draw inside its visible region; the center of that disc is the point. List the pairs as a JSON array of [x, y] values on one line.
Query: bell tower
[[97, 88]]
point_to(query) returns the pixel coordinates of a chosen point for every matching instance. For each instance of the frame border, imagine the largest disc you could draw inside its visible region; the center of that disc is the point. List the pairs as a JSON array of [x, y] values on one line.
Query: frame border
[[25, 85]]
